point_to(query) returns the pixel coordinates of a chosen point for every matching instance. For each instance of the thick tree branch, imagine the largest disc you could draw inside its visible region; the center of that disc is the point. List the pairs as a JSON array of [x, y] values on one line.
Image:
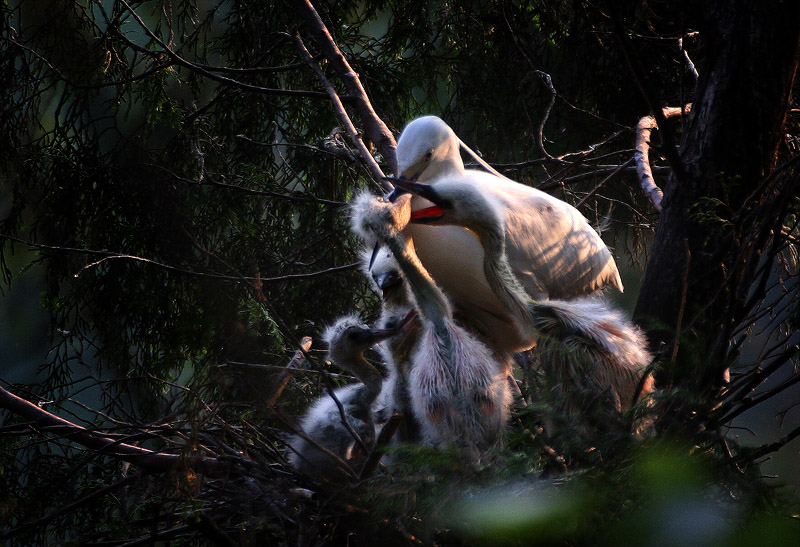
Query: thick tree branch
[[342, 113], [374, 127]]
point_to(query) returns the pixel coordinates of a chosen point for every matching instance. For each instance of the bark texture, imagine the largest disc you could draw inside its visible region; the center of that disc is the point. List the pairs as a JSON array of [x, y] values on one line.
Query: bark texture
[[696, 279]]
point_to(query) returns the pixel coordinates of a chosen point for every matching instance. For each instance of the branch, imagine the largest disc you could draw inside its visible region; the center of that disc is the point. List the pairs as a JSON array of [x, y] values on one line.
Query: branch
[[642, 153], [762, 451], [386, 434], [142, 457], [602, 183], [668, 138], [689, 63], [373, 125], [178, 60], [540, 131], [107, 255], [91, 497], [297, 362], [340, 111]]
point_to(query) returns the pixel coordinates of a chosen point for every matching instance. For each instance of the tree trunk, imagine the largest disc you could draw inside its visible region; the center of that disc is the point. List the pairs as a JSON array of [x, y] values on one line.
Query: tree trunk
[[693, 285]]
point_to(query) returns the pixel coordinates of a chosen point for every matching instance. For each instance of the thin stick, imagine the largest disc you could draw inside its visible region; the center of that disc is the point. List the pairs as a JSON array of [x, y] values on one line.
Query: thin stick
[[373, 125], [386, 434], [340, 111], [603, 183], [297, 362]]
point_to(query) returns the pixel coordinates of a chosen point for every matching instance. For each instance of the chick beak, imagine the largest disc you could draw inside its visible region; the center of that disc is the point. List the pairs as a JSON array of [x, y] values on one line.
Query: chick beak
[[374, 254], [426, 191], [397, 192]]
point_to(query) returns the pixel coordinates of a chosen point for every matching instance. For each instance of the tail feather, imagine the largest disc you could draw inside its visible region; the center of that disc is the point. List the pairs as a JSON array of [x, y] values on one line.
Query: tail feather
[[590, 324]]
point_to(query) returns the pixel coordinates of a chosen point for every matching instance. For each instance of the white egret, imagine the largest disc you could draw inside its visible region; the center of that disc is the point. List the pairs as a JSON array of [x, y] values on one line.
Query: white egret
[[583, 336], [551, 247]]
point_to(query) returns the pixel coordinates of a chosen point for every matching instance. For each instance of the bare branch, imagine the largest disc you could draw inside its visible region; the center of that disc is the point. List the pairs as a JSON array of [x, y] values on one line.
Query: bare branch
[[142, 457], [540, 131], [689, 63], [762, 451], [642, 153], [297, 362], [386, 434], [340, 111], [373, 125]]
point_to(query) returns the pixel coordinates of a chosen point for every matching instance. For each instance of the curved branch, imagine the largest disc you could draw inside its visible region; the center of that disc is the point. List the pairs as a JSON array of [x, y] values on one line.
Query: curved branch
[[540, 131], [641, 154], [180, 61]]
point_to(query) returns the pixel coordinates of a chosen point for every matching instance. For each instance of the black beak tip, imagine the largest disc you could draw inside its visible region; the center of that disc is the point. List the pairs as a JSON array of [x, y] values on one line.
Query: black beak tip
[[395, 193], [373, 255]]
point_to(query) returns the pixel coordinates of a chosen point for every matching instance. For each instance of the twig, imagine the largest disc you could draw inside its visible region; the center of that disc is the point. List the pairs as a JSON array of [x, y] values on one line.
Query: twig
[[642, 153], [345, 421], [340, 111], [682, 307], [107, 255], [540, 131], [373, 125], [178, 60], [762, 451], [297, 362], [386, 434], [689, 63], [603, 182], [340, 464], [67, 508], [311, 372]]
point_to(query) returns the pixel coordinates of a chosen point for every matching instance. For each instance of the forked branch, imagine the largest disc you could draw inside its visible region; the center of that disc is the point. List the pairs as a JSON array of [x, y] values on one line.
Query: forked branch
[[374, 127], [641, 154]]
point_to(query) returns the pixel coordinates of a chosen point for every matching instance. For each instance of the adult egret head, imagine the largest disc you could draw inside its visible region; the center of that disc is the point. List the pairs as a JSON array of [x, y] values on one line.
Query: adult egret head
[[426, 148]]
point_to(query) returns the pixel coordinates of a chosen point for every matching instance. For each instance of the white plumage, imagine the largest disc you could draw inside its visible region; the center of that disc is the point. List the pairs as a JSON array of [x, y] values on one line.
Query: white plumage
[[585, 336], [551, 247], [323, 423], [457, 387]]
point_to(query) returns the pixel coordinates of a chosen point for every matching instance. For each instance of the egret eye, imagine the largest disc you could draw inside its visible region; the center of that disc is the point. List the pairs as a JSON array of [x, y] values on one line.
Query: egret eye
[[429, 154]]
